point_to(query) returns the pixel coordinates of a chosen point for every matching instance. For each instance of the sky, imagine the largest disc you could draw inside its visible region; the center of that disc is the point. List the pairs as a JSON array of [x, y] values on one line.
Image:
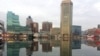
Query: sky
[[85, 12]]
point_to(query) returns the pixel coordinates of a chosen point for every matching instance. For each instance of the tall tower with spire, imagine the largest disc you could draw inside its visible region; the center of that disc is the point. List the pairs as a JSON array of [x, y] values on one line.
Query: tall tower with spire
[[66, 25]]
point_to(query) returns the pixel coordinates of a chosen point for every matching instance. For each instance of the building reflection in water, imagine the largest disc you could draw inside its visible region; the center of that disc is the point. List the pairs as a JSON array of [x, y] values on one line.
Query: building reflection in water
[[92, 41], [35, 46], [48, 44], [93, 44], [46, 47], [98, 48], [76, 42]]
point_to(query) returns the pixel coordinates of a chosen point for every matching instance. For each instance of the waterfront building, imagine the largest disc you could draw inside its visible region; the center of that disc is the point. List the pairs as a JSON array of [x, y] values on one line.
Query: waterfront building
[[76, 37], [98, 25], [12, 22], [29, 21], [55, 33], [66, 28], [35, 27], [46, 26], [2, 29]]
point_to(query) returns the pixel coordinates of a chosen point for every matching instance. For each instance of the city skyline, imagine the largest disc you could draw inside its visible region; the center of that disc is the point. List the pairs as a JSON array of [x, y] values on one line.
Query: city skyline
[[85, 13]]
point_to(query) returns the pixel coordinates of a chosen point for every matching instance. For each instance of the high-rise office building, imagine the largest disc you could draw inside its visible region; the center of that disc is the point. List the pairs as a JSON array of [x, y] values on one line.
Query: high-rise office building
[[98, 48], [46, 26], [76, 37], [29, 21], [2, 29], [98, 25], [77, 30], [35, 27], [66, 27], [12, 22]]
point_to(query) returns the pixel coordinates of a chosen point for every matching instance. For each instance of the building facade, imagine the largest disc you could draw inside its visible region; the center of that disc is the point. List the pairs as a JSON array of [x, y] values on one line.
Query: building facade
[[29, 21], [46, 26], [76, 37], [55, 33], [77, 30], [35, 27], [98, 25], [2, 29], [66, 28], [12, 22]]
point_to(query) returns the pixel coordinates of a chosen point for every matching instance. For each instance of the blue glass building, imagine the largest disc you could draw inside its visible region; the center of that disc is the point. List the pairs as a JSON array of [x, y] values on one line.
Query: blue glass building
[[12, 22], [76, 37]]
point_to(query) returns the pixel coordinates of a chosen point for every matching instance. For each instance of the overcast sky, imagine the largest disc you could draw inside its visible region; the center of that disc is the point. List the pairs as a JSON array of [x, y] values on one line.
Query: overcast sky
[[85, 12]]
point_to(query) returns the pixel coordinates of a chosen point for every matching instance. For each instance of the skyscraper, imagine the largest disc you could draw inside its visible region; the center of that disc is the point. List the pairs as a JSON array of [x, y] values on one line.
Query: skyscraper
[[29, 21], [12, 22], [66, 26], [2, 29], [35, 27], [98, 25], [76, 37], [46, 26]]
